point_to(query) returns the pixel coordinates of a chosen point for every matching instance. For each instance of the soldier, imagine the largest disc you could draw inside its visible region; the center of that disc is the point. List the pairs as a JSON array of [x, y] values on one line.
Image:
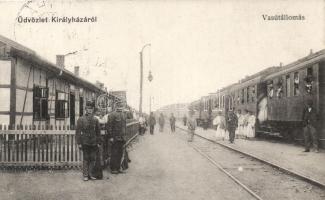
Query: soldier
[[172, 121], [161, 121], [116, 125], [191, 125], [310, 118], [185, 120], [88, 139], [232, 123], [152, 123]]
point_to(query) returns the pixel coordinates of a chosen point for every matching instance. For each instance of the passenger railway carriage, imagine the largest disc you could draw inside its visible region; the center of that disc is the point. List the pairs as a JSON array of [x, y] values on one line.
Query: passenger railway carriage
[[277, 96], [287, 92]]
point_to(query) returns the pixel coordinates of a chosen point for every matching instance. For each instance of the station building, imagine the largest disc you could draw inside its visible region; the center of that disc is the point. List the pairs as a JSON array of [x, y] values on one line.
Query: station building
[[34, 91]]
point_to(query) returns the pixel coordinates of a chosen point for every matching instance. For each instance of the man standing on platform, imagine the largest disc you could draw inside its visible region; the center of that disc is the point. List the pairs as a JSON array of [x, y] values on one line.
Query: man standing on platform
[[191, 125], [172, 121], [161, 122], [185, 120], [310, 119], [152, 123], [88, 139], [116, 125], [232, 123]]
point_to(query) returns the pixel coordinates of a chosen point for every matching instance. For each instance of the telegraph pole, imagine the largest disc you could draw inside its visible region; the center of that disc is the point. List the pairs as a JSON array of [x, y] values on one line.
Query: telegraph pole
[[141, 76], [141, 82]]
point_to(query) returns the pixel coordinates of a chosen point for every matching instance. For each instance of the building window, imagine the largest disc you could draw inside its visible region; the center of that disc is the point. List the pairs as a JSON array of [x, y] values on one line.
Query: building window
[[61, 105], [296, 84], [40, 103], [288, 85]]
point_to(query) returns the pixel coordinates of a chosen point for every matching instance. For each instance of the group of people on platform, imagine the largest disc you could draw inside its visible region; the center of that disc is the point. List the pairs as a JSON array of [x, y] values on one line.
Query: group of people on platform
[[151, 122], [92, 143], [234, 125], [243, 126]]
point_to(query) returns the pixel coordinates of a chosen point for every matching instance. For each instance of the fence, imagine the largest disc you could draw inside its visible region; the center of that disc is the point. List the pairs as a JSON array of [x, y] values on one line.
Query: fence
[[43, 147]]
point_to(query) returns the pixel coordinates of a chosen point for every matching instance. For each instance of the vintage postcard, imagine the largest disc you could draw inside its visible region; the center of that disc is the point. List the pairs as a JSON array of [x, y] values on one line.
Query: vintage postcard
[[162, 99]]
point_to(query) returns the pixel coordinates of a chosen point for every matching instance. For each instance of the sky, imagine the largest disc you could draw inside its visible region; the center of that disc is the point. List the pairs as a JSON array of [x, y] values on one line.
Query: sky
[[196, 46]]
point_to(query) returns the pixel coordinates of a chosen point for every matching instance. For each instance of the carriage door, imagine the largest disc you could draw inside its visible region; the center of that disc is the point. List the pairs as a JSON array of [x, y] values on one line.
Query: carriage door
[[72, 110]]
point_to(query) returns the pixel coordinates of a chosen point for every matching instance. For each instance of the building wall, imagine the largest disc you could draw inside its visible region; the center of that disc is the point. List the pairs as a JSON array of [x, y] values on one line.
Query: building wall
[[5, 67], [27, 76]]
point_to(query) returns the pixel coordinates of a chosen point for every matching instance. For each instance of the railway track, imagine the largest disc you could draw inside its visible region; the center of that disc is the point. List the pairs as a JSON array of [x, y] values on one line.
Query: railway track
[[259, 178]]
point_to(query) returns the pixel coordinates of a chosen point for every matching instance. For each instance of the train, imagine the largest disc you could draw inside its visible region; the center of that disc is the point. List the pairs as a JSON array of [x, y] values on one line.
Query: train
[[276, 96]]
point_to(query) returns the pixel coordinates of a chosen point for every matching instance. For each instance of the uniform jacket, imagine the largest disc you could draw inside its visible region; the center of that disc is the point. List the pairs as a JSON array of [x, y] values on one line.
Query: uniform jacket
[[172, 120], [152, 120], [88, 130], [191, 123], [116, 125], [232, 121], [161, 120], [310, 117]]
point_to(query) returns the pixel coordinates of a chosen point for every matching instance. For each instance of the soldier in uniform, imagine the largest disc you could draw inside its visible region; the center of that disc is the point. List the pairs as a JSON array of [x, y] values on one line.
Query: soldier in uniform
[[191, 125], [232, 123], [184, 120], [116, 125], [152, 123], [310, 119], [172, 121], [88, 139]]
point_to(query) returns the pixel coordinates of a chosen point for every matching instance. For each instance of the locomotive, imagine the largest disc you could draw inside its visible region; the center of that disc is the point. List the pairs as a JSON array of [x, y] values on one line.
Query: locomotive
[[276, 96]]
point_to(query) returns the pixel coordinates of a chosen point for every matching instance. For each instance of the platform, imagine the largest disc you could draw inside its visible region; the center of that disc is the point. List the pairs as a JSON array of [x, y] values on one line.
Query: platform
[[163, 167]]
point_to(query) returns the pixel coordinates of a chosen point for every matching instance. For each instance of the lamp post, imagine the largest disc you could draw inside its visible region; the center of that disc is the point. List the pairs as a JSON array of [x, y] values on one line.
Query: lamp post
[[150, 78], [141, 76]]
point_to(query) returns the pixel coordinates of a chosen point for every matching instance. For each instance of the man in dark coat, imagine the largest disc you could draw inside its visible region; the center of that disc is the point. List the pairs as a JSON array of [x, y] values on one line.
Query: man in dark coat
[[231, 123], [185, 120], [161, 122], [310, 119], [88, 139], [116, 125], [152, 123], [172, 121]]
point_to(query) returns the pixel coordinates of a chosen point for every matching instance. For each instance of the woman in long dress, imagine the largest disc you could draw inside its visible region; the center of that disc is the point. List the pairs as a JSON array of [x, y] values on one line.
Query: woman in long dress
[[251, 125], [220, 123]]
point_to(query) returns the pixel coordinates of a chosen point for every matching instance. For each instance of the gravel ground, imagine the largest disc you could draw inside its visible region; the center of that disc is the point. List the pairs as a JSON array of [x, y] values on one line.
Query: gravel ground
[[163, 167]]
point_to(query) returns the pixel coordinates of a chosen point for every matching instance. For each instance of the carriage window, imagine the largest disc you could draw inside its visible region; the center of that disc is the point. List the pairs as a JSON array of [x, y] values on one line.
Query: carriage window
[[223, 101], [247, 94], [242, 96], [288, 85], [296, 84], [309, 71], [309, 80], [279, 91], [270, 90], [253, 93]]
